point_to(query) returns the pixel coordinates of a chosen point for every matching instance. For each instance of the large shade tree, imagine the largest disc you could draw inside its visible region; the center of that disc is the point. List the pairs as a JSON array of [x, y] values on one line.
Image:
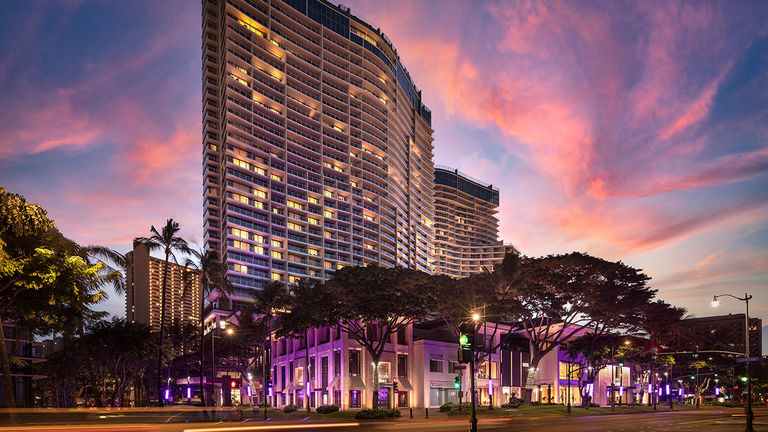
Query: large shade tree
[[371, 304], [305, 298], [169, 243]]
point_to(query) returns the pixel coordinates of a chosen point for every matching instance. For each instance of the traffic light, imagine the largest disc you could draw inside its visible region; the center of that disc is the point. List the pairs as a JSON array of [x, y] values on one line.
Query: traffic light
[[695, 351], [654, 352], [466, 342], [233, 383], [744, 379], [693, 377], [394, 385], [457, 383]]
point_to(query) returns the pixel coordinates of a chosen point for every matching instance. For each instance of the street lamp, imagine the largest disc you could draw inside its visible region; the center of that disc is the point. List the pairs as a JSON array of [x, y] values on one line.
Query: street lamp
[[229, 331], [748, 406], [473, 417]]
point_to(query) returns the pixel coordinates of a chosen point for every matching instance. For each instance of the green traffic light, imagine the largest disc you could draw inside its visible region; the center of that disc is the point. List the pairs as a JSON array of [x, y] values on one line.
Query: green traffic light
[[464, 340], [744, 379], [693, 377]]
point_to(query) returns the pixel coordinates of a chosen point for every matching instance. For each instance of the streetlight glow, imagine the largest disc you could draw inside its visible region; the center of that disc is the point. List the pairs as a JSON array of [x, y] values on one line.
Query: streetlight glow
[[475, 316], [230, 331], [715, 302]]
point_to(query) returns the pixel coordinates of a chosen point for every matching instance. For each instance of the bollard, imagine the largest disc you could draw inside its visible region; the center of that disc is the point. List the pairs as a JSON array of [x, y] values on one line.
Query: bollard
[[427, 411], [411, 412]]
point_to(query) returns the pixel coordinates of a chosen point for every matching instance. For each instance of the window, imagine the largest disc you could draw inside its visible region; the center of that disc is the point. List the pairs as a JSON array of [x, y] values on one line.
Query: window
[[384, 372], [277, 243], [354, 362], [337, 363], [453, 367], [435, 365], [354, 398], [276, 254], [401, 339], [402, 365], [312, 368], [313, 252], [337, 397], [276, 177], [324, 372], [277, 276]]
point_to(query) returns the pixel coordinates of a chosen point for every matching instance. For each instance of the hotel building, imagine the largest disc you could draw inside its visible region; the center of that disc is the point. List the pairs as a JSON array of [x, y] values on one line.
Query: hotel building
[[144, 283], [466, 226], [317, 147]]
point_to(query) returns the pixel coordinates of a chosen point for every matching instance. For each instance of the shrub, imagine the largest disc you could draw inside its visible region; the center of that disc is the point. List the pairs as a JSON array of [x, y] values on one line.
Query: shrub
[[447, 407], [376, 414], [327, 409], [290, 408]]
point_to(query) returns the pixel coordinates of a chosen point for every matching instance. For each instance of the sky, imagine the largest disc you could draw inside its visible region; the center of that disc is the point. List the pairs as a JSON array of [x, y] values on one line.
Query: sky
[[633, 131]]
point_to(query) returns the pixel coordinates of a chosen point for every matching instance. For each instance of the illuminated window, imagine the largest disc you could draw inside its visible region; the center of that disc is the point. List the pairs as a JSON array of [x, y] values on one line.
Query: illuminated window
[[241, 245], [339, 266], [328, 265], [241, 268], [370, 218], [276, 177], [328, 213], [328, 193], [294, 226], [277, 243], [258, 250], [240, 233], [277, 254], [313, 252], [295, 205], [259, 170], [313, 200], [259, 193], [277, 276], [313, 220], [241, 163], [328, 234]]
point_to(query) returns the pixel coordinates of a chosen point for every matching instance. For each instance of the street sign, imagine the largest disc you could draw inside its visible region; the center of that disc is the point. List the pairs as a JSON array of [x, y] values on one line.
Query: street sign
[[747, 359]]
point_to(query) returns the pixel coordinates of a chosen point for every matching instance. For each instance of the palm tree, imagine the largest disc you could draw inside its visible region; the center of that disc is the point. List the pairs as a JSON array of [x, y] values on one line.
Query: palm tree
[[120, 263], [167, 241], [269, 300], [213, 278]]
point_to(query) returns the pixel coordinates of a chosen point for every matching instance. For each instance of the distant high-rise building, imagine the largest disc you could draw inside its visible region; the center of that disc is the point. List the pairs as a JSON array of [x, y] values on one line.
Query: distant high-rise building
[[144, 284], [317, 147], [466, 227]]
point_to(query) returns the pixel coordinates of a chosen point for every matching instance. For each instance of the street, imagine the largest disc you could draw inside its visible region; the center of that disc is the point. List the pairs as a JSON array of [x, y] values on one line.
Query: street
[[725, 420]]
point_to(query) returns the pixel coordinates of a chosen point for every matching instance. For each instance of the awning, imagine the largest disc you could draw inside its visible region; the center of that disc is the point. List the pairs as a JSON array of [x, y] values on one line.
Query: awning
[[356, 383], [404, 383], [442, 384]]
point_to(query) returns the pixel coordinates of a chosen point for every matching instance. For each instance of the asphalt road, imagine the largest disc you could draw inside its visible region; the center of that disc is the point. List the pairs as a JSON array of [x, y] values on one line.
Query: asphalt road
[[715, 420]]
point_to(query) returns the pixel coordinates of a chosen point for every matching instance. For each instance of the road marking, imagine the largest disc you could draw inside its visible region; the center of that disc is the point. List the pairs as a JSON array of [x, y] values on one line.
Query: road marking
[[272, 427]]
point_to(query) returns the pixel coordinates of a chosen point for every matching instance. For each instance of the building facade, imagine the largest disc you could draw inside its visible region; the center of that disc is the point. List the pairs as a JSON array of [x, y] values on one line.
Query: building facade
[[144, 282], [317, 147], [724, 332], [466, 226], [21, 345]]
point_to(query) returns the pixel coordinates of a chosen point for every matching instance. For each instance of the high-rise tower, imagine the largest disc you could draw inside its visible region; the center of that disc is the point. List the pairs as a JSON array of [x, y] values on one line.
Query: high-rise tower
[[317, 147], [466, 227]]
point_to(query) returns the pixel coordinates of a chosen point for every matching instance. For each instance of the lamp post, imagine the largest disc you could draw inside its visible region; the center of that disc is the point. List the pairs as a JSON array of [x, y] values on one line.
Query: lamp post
[[748, 405], [229, 331], [473, 417]]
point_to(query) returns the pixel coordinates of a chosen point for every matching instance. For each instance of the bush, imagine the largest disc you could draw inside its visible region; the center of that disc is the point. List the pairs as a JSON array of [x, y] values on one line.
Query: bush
[[447, 407], [290, 408], [327, 409], [376, 414]]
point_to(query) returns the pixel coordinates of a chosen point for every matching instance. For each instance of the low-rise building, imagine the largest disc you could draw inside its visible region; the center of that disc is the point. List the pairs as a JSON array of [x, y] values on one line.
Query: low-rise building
[[20, 345]]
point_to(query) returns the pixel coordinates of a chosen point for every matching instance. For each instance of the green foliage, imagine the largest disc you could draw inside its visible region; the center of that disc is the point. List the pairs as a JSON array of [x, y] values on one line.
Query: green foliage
[[376, 414], [456, 409], [290, 408], [327, 409]]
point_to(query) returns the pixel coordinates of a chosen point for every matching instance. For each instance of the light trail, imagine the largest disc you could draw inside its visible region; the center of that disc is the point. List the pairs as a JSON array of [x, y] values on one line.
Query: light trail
[[272, 427]]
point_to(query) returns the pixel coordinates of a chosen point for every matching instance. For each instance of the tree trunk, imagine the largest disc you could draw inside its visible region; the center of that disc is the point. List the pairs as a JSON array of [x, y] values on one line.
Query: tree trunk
[[375, 384], [10, 398], [162, 328], [306, 372], [202, 355], [85, 352], [528, 398]]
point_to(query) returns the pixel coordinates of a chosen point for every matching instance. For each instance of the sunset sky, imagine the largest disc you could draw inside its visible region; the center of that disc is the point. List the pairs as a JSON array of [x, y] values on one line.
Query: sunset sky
[[633, 131]]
